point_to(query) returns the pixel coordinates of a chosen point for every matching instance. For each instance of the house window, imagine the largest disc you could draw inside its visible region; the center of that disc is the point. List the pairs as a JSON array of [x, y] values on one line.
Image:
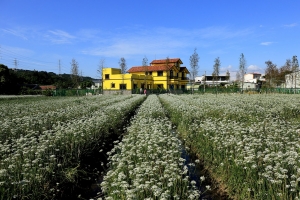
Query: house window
[[123, 86], [160, 73], [171, 73], [113, 85], [150, 73], [106, 76]]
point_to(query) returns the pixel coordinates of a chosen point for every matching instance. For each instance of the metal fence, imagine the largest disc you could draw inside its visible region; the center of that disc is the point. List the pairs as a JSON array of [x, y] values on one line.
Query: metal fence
[[75, 92], [85, 92], [253, 91]]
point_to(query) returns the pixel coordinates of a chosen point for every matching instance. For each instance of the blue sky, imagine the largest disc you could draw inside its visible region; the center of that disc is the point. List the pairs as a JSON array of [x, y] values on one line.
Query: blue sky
[[40, 33]]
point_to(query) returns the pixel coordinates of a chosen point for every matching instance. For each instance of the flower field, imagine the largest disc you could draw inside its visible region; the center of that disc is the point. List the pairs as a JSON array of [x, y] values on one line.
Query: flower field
[[43, 140], [249, 143], [147, 163]]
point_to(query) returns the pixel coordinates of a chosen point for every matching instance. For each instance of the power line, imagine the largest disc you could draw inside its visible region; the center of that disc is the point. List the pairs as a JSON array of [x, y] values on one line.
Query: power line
[[19, 61], [14, 54]]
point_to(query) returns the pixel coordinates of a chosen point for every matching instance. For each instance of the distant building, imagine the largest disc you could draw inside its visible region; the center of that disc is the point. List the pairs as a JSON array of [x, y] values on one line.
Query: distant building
[[211, 80], [253, 81], [47, 87], [97, 84], [164, 74], [292, 80]]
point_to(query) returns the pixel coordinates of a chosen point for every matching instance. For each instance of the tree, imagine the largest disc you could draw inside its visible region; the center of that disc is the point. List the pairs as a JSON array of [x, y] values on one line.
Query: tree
[[194, 59], [295, 68], [242, 69], [295, 64], [145, 61], [227, 75], [86, 84], [284, 70], [100, 71], [123, 68], [216, 70], [237, 78], [4, 79], [145, 65], [75, 73], [271, 73]]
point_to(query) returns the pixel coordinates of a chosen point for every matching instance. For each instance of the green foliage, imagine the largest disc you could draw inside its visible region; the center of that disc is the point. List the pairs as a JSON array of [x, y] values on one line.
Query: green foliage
[[86, 84], [249, 143], [21, 81], [48, 92], [7, 78]]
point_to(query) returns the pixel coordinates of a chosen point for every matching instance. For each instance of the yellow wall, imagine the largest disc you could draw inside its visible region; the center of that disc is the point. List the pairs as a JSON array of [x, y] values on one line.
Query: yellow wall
[[115, 78], [112, 80]]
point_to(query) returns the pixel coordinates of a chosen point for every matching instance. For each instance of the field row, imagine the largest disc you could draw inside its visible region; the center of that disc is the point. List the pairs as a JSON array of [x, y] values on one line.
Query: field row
[[147, 163], [249, 142], [31, 162], [39, 116]]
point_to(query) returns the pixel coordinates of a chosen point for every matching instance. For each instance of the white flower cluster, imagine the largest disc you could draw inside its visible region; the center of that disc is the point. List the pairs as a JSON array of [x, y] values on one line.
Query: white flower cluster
[[251, 142], [31, 156], [146, 164], [40, 115]]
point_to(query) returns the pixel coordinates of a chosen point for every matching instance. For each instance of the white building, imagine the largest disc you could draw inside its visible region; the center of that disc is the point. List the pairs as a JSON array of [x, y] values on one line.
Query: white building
[[253, 78], [210, 80], [97, 84], [253, 81], [292, 80]]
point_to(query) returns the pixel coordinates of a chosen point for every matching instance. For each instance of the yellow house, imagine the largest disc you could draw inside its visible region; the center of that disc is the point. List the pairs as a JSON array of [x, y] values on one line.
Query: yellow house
[[164, 74]]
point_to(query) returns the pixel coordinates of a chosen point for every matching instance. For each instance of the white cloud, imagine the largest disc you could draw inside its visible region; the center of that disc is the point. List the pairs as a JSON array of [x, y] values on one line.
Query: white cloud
[[290, 25], [159, 41], [17, 33], [17, 51], [60, 37], [223, 70], [266, 43], [254, 68], [140, 43]]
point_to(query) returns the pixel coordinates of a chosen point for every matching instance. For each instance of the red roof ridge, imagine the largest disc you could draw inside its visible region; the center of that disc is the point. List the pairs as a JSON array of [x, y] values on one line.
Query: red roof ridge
[[164, 60], [148, 68]]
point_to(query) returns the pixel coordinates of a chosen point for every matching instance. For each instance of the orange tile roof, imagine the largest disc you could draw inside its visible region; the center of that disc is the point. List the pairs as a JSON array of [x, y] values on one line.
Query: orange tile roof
[[149, 68], [171, 60], [45, 87]]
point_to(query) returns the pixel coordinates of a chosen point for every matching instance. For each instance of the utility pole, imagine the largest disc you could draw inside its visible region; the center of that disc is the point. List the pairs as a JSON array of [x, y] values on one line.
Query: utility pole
[[16, 63]]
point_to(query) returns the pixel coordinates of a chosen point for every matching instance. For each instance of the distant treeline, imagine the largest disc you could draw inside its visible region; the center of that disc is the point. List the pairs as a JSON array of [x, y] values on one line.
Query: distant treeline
[[20, 81]]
